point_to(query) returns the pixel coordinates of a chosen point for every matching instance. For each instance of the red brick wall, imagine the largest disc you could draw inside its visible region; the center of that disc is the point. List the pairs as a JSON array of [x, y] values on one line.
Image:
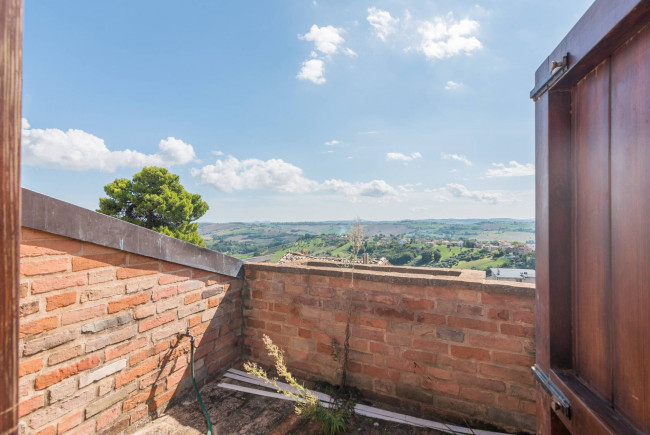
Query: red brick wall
[[440, 346], [98, 350]]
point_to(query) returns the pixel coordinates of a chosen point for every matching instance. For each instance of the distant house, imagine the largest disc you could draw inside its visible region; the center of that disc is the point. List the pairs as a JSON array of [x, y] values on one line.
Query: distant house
[[513, 275]]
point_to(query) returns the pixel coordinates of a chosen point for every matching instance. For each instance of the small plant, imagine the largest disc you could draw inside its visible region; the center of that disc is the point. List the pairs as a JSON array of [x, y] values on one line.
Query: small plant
[[332, 418]]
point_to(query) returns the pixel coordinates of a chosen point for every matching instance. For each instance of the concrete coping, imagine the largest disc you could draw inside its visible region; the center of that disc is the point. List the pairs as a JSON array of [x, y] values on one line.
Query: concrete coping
[[44, 213], [417, 276]]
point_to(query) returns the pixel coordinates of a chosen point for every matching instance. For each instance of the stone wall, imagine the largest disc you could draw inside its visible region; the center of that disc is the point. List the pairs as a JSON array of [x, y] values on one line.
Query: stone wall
[[435, 342], [98, 326]]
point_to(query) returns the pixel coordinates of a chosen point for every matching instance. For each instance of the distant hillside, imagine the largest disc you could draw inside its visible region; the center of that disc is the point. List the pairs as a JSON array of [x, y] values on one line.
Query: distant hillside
[[263, 238]]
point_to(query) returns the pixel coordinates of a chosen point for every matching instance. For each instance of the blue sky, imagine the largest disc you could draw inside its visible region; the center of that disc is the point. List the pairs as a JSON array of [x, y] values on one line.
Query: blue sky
[[292, 110]]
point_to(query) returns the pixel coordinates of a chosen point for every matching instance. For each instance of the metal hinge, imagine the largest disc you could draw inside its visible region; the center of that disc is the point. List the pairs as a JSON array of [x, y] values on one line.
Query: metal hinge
[[558, 399], [558, 69]]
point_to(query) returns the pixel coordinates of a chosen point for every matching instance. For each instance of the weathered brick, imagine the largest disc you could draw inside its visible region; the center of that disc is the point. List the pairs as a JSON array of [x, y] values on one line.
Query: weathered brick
[[109, 416], [112, 322], [513, 358], [106, 370], [494, 342], [141, 284], [424, 357], [418, 303], [108, 339], [430, 345], [81, 314], [99, 276], [139, 270], [498, 314], [49, 247], [64, 355], [441, 386], [28, 308], [52, 413], [128, 302], [97, 406], [44, 343], [97, 261], [475, 381], [84, 429], [167, 305], [164, 292], [62, 390], [519, 375], [518, 330], [43, 267], [144, 312], [38, 326], [167, 331], [29, 367], [102, 292], [32, 234], [61, 300], [105, 386], [161, 401], [44, 285], [50, 430], [190, 299], [69, 422], [470, 353], [30, 405], [431, 319], [188, 286], [476, 395], [125, 348], [54, 376], [148, 324], [509, 301], [469, 310], [450, 334], [136, 372], [191, 309], [524, 316], [24, 289], [142, 355]]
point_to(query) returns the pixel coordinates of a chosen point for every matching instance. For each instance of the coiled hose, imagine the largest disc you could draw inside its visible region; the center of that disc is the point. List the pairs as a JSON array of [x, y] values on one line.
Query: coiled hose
[[196, 388]]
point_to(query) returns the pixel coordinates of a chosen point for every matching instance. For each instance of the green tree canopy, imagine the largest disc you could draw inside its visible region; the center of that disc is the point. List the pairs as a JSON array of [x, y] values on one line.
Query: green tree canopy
[[155, 199]]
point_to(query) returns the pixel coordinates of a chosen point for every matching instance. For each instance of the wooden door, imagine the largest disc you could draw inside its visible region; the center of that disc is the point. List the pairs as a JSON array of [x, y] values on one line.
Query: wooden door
[[593, 219]]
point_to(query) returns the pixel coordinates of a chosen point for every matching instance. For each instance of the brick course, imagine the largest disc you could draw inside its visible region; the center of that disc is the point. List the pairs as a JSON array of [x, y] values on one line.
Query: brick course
[[92, 343]]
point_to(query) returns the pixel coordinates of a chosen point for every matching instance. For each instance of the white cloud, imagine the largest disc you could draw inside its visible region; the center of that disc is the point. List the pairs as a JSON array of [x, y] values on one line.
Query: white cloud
[[462, 159], [445, 37], [451, 85], [312, 70], [513, 170], [418, 209], [370, 132], [232, 174], [400, 157], [332, 142], [460, 191], [217, 153], [350, 52], [326, 39], [78, 150], [382, 22]]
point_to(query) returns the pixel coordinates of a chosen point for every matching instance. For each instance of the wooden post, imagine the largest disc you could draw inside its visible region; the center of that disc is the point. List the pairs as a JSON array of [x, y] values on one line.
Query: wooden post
[[11, 60]]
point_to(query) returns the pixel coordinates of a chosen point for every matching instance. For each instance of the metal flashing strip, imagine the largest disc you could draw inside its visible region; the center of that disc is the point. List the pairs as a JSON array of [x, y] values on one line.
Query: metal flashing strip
[[558, 69], [560, 402]]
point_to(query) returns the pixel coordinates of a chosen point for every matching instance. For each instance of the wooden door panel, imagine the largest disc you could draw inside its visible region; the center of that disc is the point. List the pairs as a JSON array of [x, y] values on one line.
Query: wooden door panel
[[591, 229], [630, 166]]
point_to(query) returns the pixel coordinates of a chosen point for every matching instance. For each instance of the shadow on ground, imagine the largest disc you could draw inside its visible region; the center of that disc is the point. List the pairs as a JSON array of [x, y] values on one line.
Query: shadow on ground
[[234, 412]]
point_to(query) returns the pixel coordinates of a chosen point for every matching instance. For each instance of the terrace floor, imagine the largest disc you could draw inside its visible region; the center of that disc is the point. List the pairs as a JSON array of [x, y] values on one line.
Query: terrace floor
[[235, 412]]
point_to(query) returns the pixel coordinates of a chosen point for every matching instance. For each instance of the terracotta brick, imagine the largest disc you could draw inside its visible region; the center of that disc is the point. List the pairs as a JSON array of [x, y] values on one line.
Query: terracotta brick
[[99, 276], [139, 270], [29, 367], [519, 375], [62, 300], [164, 292], [136, 372], [524, 317], [108, 417], [148, 324], [430, 345], [30, 405], [49, 247], [64, 355], [51, 378], [441, 293], [380, 373], [128, 302], [140, 259], [440, 373], [24, 289], [144, 312], [441, 386], [498, 314], [510, 301], [69, 422], [469, 310], [518, 330], [97, 261], [43, 267], [57, 283], [418, 356], [170, 278], [418, 303], [458, 365], [513, 358], [190, 299], [125, 348], [161, 400], [470, 353], [38, 326], [475, 381], [91, 248], [476, 395], [494, 342], [50, 430], [82, 314], [112, 338], [481, 325]]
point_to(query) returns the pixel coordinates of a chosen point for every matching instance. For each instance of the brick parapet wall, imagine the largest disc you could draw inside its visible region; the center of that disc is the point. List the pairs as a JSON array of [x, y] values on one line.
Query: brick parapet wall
[[99, 350], [459, 347]]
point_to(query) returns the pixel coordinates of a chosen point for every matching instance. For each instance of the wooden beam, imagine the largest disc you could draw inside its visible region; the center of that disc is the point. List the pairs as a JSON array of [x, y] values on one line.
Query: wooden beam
[[11, 43]]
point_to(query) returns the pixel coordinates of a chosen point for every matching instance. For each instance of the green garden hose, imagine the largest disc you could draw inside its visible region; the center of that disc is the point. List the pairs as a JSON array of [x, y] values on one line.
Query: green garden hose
[[196, 388]]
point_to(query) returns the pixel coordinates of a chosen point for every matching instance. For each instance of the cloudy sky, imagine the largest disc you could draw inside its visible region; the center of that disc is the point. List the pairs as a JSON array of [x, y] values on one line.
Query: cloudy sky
[[292, 110]]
